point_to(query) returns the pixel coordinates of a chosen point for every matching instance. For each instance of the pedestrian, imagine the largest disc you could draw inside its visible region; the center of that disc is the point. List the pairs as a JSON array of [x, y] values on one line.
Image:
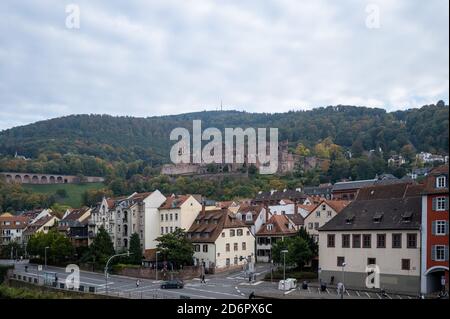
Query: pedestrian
[[138, 283], [203, 279]]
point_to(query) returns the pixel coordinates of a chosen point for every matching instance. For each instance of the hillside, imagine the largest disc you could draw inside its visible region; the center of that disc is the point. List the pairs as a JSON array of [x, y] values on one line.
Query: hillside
[[147, 139]]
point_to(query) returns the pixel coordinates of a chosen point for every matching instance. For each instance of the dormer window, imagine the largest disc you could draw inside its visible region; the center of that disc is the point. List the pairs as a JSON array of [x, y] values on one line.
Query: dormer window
[[441, 182], [349, 220], [407, 217], [378, 217], [249, 217], [324, 207], [239, 216], [269, 226]]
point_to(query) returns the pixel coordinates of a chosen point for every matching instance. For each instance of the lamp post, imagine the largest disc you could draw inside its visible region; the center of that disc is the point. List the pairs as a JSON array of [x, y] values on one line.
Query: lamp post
[[45, 257], [156, 266], [284, 266], [343, 280], [106, 268]]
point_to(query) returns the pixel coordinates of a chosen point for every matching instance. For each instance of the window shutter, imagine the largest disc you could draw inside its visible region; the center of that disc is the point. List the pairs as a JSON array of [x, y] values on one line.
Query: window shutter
[[446, 253], [433, 228], [446, 203], [433, 252], [434, 203], [446, 227]]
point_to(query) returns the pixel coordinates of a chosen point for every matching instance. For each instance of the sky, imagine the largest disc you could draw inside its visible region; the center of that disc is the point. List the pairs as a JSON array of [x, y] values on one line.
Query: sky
[[158, 57]]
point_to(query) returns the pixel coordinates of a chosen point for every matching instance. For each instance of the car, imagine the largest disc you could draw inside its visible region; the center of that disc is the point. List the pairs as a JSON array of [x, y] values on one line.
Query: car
[[172, 284]]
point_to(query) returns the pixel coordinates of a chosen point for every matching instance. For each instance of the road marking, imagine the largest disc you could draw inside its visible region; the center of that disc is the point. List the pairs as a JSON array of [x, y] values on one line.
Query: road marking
[[318, 289], [348, 294], [409, 297], [357, 292], [368, 295], [309, 290], [389, 296], [379, 297], [288, 292], [328, 291], [214, 292], [399, 297]]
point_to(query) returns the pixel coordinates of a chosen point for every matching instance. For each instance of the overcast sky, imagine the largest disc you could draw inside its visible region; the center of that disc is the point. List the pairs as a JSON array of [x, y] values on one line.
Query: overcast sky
[[156, 57]]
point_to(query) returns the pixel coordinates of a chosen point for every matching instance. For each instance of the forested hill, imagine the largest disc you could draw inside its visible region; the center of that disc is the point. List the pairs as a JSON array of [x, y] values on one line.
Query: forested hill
[[130, 138]]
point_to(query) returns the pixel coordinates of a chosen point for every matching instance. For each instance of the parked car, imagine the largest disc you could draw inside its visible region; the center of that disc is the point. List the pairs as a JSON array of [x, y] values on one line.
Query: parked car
[[172, 284]]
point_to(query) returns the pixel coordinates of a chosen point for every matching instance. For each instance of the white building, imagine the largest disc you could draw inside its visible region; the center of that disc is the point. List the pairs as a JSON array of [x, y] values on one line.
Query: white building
[[11, 228], [221, 240]]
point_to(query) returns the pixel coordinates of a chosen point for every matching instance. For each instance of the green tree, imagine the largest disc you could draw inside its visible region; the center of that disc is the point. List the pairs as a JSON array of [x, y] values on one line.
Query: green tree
[[102, 247], [135, 250], [299, 251], [176, 248]]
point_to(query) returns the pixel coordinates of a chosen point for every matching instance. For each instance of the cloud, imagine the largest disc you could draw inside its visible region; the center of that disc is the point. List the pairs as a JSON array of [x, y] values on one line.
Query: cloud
[[146, 58]]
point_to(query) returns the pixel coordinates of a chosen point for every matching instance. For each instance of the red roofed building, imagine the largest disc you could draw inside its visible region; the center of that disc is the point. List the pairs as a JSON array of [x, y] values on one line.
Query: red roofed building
[[435, 239]]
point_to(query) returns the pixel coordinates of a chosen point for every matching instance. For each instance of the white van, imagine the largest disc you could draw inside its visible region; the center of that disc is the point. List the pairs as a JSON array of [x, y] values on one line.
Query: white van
[[288, 284]]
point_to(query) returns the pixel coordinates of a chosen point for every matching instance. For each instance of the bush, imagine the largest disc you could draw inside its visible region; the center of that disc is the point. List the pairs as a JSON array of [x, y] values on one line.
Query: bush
[[24, 293], [119, 267], [3, 270]]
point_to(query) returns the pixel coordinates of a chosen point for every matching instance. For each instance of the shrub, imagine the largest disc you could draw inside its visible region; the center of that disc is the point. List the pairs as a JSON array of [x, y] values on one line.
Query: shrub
[[299, 275], [3, 270]]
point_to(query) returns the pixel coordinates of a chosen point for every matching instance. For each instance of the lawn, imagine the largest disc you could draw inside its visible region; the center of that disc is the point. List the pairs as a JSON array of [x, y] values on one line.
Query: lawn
[[74, 191]]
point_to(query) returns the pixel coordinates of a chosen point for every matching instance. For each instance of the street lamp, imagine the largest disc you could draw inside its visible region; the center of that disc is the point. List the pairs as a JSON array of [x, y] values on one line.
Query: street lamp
[[343, 280], [106, 268], [45, 257], [284, 262]]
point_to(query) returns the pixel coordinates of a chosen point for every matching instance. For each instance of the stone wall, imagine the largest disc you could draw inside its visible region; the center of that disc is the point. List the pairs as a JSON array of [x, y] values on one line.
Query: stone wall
[[30, 178]]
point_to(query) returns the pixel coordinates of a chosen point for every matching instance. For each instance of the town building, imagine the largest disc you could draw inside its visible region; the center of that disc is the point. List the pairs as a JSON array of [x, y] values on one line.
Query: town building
[[221, 240], [277, 227], [435, 232], [253, 216], [321, 191], [381, 227], [11, 228], [74, 225], [321, 214], [41, 224]]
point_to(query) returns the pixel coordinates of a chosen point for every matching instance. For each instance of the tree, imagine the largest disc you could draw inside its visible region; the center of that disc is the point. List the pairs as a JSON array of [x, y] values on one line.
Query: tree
[[102, 247], [176, 248], [59, 246], [14, 247], [302, 150], [299, 251], [135, 250]]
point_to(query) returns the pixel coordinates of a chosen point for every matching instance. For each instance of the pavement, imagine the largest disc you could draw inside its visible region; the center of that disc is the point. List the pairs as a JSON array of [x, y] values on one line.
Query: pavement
[[228, 285]]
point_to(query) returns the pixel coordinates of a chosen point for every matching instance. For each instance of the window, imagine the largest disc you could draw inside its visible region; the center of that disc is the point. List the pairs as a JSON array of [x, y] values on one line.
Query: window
[[249, 217], [167, 230], [235, 260], [330, 240], [232, 232], [269, 226], [316, 226], [367, 241], [346, 241], [235, 246], [441, 182], [167, 217], [406, 264], [244, 246], [441, 203], [412, 241], [329, 213], [197, 248], [171, 217], [227, 247], [371, 261], [205, 248], [240, 232], [340, 261], [396, 240], [318, 214], [227, 262], [439, 253], [162, 230], [310, 225], [356, 241], [324, 207], [223, 234], [381, 240], [176, 216], [171, 229], [440, 227], [248, 233]]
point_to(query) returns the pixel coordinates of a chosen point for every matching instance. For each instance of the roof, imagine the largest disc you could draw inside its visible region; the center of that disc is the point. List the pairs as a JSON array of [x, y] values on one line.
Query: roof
[[430, 181], [209, 225], [297, 219], [75, 214], [318, 190], [398, 190], [253, 209], [352, 185], [174, 201], [291, 194], [336, 205], [226, 204], [16, 222], [280, 227], [308, 208], [361, 215]]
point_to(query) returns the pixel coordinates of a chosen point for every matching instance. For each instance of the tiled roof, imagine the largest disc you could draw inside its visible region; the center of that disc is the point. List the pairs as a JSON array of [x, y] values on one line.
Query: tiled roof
[[209, 225], [351, 185], [279, 195], [398, 190], [280, 227], [174, 201], [430, 181], [297, 219], [21, 220]]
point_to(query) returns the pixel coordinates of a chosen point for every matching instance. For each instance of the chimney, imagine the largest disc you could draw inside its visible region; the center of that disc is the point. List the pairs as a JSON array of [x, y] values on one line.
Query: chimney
[[295, 207], [266, 207], [203, 207]]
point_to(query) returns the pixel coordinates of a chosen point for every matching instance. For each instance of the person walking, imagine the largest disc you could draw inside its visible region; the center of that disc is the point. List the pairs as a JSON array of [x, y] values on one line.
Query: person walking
[[138, 283]]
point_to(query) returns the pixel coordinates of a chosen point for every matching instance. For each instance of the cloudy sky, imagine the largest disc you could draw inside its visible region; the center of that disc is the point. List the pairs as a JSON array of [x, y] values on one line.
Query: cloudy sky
[[155, 57]]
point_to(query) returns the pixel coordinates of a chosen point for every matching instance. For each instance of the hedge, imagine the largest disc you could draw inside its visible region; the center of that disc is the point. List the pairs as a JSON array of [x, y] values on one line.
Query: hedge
[[3, 270]]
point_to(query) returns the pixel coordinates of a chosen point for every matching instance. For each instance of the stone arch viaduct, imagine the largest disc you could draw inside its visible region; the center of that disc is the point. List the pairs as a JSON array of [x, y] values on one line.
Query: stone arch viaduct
[[30, 178]]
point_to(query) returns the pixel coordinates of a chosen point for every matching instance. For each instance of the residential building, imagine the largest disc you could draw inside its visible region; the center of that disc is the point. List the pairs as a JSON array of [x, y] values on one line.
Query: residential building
[[321, 214], [11, 228], [396, 160], [253, 216], [435, 232], [74, 225], [42, 224], [178, 211], [277, 227], [382, 227], [321, 191], [221, 240], [274, 197]]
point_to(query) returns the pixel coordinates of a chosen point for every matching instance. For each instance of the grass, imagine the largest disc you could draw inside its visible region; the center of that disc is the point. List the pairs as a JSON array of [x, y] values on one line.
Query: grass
[[74, 191]]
